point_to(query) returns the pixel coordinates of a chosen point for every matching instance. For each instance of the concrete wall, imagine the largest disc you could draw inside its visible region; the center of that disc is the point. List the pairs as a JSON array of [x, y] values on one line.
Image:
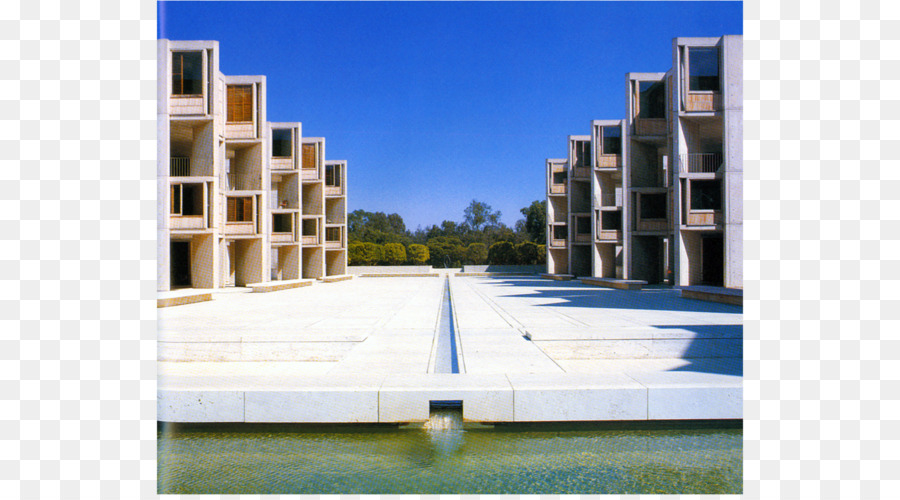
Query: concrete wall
[[204, 261], [289, 262], [492, 268], [357, 270], [558, 261], [733, 100], [313, 262], [249, 262], [335, 262]]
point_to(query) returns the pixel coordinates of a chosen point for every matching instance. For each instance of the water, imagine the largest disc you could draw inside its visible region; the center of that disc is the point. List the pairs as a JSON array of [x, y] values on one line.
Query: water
[[443, 456]]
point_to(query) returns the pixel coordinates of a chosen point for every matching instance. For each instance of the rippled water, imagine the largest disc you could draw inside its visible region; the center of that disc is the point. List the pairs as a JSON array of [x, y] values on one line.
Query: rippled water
[[445, 458]]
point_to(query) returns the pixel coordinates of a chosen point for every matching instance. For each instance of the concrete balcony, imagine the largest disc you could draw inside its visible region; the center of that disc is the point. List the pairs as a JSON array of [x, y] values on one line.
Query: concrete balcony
[[581, 173], [334, 191], [557, 243], [703, 102], [240, 130], [282, 238], [609, 162], [582, 238], [609, 235], [652, 224], [650, 126], [557, 189], [240, 228], [704, 217], [309, 240], [187, 222], [310, 174], [700, 163], [187, 105]]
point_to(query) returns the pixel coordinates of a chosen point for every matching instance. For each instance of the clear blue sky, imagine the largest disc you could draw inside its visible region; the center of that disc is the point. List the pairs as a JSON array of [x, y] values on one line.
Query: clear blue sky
[[436, 104]]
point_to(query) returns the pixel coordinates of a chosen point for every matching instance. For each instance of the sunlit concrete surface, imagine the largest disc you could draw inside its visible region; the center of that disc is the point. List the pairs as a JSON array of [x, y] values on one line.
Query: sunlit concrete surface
[[551, 345]]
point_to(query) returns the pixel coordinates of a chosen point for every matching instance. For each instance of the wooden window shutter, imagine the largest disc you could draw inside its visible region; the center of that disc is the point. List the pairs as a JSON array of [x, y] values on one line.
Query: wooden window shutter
[[240, 103], [232, 209], [248, 209], [309, 156]]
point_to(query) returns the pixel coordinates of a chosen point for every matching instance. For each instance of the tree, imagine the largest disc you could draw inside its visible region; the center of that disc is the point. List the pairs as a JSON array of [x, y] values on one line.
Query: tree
[[394, 254], [356, 253], [446, 251], [418, 254], [542, 254], [372, 253], [476, 253], [536, 221], [479, 215], [502, 253], [527, 253]]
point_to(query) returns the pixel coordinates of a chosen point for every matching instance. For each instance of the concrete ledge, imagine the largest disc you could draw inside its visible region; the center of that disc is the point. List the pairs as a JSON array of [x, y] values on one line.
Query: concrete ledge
[[400, 275], [182, 297], [557, 277], [714, 294], [274, 286], [337, 277], [464, 274], [576, 397], [614, 283], [200, 406], [486, 398], [682, 395]]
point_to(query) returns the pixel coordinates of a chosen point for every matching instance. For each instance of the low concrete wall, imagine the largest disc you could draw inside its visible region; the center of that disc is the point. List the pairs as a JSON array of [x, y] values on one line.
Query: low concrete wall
[[505, 269], [357, 270]]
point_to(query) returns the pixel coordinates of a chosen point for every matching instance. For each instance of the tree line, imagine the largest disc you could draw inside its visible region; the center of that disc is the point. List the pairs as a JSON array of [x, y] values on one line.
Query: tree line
[[376, 238]]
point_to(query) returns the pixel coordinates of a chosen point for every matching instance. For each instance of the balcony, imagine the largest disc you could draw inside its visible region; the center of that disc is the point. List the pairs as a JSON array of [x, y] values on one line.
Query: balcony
[[282, 237], [557, 189], [179, 167], [700, 163], [309, 239], [582, 237], [609, 235], [581, 173], [187, 222], [559, 234], [652, 224], [703, 101], [650, 126], [704, 217], [232, 227], [334, 237], [609, 161], [334, 191]]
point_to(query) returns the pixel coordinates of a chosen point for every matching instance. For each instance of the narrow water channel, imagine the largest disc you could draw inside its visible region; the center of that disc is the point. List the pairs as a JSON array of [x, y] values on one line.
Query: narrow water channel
[[446, 360]]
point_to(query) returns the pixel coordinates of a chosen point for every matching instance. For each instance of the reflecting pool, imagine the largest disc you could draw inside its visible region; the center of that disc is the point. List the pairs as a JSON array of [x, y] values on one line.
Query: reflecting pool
[[444, 457]]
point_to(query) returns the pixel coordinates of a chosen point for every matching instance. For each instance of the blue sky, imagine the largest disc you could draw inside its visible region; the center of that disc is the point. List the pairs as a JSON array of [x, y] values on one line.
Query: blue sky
[[436, 104]]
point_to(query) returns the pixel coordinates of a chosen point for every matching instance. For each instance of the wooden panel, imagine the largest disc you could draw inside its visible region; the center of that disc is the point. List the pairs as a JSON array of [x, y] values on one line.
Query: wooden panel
[[581, 172], [248, 210], [309, 156], [187, 222], [704, 218], [710, 101], [609, 234], [609, 161], [240, 103], [558, 189]]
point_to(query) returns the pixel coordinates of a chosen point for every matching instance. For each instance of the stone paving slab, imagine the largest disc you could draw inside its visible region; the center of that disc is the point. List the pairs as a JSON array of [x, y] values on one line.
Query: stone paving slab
[[485, 398]]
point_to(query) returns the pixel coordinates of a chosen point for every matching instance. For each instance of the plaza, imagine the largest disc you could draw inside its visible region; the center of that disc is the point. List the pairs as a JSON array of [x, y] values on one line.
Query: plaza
[[529, 350]]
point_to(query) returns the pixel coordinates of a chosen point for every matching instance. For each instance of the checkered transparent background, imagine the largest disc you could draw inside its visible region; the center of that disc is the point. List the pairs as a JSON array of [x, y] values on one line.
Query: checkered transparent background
[[77, 213]]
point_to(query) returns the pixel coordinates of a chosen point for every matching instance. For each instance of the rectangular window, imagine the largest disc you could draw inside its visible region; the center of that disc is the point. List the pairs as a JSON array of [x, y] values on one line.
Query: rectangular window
[[187, 73], [560, 232], [582, 154], [281, 143], [187, 199], [704, 68], [281, 223], [706, 195], [332, 234], [333, 175], [559, 177], [611, 221], [653, 206], [309, 156], [309, 227], [240, 209], [652, 100], [240, 103], [612, 140]]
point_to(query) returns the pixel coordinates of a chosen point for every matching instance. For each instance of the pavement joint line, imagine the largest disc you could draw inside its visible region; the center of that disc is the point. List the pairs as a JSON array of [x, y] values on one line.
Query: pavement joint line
[[500, 312], [460, 357]]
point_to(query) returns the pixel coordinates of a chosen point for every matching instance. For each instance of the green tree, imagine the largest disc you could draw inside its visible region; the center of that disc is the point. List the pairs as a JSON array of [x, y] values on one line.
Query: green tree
[[356, 254], [476, 253], [502, 253], [527, 253], [479, 215], [536, 221], [372, 253], [418, 254], [542, 254], [394, 254]]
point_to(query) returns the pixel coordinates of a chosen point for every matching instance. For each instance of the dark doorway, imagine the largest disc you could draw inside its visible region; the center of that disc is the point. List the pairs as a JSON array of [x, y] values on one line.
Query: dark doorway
[[180, 263], [713, 255]]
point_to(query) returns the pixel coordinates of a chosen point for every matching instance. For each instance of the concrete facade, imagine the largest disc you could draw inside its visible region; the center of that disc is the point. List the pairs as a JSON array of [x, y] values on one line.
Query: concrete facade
[[233, 188], [667, 206]]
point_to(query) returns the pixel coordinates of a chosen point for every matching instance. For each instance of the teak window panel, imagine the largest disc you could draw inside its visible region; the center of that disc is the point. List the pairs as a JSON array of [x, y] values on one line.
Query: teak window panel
[[309, 156], [240, 103], [240, 209]]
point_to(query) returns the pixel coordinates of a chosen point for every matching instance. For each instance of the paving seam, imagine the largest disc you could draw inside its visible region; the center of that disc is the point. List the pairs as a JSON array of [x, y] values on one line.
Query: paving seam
[[520, 329], [460, 357]]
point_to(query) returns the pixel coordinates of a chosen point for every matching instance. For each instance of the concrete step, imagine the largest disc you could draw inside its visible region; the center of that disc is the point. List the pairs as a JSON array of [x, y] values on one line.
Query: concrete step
[[274, 286]]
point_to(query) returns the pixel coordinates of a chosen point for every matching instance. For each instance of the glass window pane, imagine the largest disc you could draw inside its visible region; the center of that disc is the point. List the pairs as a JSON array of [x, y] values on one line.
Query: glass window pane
[[612, 140], [704, 70], [281, 142]]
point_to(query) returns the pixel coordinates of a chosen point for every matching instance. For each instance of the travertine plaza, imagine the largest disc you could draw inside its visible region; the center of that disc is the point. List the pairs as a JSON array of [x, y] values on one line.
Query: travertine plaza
[[252, 205], [656, 197], [242, 201]]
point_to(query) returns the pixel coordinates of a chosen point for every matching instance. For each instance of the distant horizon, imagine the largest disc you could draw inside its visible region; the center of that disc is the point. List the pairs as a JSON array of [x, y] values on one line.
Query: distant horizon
[[434, 104]]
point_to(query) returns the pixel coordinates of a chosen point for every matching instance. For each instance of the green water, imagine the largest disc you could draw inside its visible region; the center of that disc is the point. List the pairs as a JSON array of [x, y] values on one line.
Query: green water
[[267, 459]]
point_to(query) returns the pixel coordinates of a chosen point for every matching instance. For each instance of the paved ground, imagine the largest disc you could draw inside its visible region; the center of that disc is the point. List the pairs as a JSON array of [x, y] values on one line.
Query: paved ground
[[512, 331]]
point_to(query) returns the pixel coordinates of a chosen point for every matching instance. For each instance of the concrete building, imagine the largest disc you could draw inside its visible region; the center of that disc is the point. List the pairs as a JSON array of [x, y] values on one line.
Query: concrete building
[[657, 197], [235, 191]]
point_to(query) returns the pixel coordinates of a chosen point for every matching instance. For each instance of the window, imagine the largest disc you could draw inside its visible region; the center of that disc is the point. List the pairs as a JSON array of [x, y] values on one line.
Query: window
[[309, 156], [706, 195], [240, 209], [560, 232], [704, 68], [240, 103], [652, 102], [187, 199], [187, 73], [582, 154], [611, 221], [583, 225], [281, 223], [309, 227], [653, 206], [332, 234], [559, 177], [281, 143], [333, 175], [612, 140]]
